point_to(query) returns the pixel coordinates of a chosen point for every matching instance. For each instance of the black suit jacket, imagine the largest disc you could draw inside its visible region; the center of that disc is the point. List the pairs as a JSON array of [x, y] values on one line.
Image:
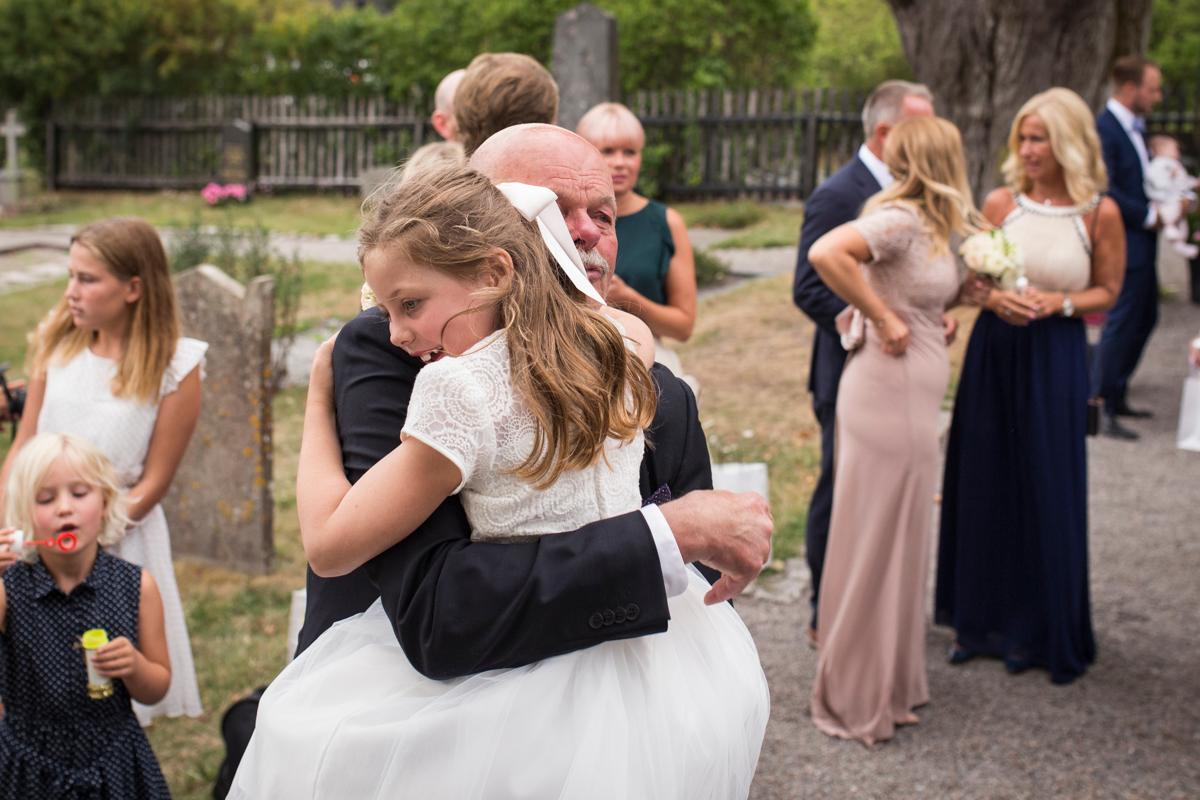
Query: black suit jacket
[[460, 607], [835, 202], [1126, 185]]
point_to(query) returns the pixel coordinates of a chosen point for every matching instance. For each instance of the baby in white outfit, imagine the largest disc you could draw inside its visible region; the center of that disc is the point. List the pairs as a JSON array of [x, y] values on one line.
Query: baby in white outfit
[[1168, 185]]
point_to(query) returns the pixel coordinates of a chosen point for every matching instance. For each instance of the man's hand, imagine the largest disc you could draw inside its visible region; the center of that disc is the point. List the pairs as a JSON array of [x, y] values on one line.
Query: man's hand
[[729, 532]]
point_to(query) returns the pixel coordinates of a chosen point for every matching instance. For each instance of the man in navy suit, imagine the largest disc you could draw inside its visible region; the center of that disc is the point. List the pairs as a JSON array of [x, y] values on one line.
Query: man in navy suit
[[1137, 88], [836, 201]]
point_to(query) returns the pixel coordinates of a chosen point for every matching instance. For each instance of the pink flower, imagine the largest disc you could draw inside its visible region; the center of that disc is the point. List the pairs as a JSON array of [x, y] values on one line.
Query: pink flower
[[237, 191], [212, 194]]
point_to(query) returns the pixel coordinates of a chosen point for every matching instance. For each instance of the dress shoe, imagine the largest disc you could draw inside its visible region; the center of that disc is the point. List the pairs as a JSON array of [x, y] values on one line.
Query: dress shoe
[[1115, 430], [810, 635], [959, 654], [1123, 410], [1015, 664]]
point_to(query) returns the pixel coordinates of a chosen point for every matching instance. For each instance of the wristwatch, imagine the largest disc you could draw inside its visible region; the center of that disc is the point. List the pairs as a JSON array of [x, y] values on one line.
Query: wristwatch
[[1068, 308]]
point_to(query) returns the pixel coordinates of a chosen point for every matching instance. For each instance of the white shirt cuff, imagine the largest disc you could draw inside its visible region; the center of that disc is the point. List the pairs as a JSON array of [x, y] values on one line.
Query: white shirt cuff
[[1151, 217], [675, 579]]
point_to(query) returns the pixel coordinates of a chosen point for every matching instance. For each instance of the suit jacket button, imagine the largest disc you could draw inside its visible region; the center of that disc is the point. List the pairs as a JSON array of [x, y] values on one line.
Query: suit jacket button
[[620, 615], [596, 621], [609, 617], [632, 612]]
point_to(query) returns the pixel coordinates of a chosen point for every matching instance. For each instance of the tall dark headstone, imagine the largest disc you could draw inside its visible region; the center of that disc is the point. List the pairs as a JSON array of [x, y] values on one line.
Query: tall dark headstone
[[584, 61], [237, 153]]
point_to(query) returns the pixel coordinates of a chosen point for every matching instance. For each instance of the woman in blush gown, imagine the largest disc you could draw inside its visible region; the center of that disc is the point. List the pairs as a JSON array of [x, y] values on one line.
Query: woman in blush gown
[[895, 267], [1012, 559]]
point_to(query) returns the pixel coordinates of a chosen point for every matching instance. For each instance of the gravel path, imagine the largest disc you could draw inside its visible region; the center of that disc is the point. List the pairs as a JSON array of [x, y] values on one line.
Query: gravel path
[[1130, 728]]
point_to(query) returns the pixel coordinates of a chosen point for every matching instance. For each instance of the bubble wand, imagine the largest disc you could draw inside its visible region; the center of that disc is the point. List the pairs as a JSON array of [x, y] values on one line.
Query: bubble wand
[[65, 541]]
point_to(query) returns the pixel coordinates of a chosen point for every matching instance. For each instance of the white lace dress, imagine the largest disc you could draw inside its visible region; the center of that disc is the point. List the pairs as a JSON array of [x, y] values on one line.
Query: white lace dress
[[79, 401], [674, 715]]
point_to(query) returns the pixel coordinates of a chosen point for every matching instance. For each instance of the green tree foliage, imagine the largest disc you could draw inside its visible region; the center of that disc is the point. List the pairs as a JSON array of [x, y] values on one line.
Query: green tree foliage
[[1175, 40], [857, 45], [68, 48]]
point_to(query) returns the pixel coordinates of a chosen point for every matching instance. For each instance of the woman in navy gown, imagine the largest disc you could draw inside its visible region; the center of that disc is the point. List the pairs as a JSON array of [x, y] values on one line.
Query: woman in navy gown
[[1012, 575]]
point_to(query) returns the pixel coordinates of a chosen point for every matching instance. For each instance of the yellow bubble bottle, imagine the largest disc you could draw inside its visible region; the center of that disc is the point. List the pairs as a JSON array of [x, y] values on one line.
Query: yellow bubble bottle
[[98, 686]]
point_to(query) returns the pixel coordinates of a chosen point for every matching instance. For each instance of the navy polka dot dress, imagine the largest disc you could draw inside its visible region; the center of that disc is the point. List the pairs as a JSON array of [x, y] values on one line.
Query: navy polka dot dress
[[55, 742]]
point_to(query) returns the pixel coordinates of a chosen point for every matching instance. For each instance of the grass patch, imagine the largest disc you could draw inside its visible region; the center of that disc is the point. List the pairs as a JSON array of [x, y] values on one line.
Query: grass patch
[[280, 213], [719, 214], [779, 227]]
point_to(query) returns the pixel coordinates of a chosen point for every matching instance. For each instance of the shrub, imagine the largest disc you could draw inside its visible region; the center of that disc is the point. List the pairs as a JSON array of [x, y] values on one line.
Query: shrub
[[710, 270], [244, 254]]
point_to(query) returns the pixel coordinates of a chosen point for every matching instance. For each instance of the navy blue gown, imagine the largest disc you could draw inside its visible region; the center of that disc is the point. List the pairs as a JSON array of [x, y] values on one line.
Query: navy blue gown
[[1012, 577], [55, 742]]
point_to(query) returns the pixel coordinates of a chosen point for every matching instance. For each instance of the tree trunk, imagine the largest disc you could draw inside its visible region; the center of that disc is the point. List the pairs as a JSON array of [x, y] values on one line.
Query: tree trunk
[[984, 58]]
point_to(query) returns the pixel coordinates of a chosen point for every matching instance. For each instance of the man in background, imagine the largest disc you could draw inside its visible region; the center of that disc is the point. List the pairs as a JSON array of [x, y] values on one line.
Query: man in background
[[442, 117]]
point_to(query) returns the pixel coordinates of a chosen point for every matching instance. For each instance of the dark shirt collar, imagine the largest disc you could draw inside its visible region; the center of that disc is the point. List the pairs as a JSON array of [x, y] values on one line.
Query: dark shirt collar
[[43, 581]]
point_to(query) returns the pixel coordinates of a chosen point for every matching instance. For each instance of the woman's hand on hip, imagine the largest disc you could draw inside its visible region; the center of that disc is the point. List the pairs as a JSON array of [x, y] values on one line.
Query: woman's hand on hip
[[894, 333]]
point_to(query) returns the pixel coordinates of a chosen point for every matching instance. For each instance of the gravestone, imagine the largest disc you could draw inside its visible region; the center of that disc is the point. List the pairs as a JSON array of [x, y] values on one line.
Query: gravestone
[[10, 179], [220, 504], [237, 153], [584, 61]]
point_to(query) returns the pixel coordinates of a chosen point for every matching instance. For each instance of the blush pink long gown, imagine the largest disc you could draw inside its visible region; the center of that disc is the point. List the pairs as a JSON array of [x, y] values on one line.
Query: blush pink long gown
[[871, 619]]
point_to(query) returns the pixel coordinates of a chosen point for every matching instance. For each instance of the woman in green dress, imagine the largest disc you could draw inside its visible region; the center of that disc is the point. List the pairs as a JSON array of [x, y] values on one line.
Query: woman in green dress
[[655, 275]]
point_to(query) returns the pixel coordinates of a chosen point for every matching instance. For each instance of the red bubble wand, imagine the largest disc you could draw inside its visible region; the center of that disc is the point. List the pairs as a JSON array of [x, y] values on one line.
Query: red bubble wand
[[65, 541]]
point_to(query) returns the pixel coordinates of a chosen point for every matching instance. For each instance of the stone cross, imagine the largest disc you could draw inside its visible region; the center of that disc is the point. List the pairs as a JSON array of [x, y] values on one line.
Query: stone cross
[[10, 179], [220, 505], [584, 61]]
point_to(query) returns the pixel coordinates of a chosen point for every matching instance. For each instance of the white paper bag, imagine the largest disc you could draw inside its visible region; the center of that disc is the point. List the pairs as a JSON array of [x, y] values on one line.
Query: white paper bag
[[1189, 413]]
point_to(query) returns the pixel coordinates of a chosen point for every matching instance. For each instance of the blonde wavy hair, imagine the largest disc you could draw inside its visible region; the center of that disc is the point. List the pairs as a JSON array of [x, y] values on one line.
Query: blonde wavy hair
[[1073, 140], [30, 466], [570, 365], [129, 248], [925, 154]]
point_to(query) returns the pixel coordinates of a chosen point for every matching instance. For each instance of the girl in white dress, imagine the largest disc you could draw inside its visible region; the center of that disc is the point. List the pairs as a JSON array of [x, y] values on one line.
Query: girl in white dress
[[109, 366], [537, 420]]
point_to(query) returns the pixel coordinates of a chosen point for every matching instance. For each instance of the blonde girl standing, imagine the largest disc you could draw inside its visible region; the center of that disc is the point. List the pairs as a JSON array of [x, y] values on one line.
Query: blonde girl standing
[[66, 733]]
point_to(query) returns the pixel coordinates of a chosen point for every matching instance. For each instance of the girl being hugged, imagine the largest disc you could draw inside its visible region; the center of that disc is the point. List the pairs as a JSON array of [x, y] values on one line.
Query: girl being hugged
[[65, 732], [533, 409], [108, 365]]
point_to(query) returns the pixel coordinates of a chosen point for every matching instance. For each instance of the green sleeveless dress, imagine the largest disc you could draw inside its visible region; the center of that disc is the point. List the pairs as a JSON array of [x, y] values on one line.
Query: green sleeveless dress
[[644, 250]]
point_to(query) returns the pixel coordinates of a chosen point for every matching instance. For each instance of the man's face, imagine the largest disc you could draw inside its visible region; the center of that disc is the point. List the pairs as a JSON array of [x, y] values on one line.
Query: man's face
[[1149, 93], [576, 172]]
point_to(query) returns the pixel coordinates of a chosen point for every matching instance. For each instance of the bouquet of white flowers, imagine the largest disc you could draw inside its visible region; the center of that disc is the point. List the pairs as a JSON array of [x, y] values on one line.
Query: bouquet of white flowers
[[993, 254]]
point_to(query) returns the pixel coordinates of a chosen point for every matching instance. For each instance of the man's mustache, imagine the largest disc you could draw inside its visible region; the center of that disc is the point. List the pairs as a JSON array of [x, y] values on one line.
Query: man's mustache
[[592, 258]]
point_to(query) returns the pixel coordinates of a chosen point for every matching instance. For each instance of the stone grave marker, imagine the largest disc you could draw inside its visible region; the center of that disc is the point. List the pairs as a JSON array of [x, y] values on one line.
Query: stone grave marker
[[10, 179], [584, 62], [220, 506], [237, 153]]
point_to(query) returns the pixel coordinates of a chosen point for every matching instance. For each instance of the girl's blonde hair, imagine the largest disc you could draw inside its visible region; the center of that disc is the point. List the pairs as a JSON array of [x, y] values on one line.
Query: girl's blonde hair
[[611, 123], [1073, 140], [570, 365], [32, 463], [925, 155], [129, 248]]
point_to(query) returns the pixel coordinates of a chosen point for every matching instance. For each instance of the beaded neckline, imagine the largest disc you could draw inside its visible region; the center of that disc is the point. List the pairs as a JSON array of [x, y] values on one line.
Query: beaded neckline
[[1028, 204]]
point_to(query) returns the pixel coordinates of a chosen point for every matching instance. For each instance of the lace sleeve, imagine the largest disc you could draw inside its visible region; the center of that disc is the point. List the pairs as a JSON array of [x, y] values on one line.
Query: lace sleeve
[[890, 231], [189, 354], [449, 412]]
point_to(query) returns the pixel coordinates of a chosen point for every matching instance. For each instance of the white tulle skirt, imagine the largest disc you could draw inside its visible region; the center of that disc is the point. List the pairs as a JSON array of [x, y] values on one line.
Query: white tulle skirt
[[674, 715]]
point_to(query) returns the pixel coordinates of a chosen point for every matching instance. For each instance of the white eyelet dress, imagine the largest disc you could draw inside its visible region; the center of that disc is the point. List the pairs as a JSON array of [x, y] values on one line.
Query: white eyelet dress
[[79, 401]]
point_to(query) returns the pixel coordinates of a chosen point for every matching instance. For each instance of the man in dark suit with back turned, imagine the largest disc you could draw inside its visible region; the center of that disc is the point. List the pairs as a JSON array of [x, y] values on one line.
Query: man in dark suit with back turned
[[1137, 88], [460, 607], [837, 201]]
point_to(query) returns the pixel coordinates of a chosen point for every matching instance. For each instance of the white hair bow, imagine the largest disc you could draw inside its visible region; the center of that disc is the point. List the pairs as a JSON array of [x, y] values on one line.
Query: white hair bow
[[541, 204]]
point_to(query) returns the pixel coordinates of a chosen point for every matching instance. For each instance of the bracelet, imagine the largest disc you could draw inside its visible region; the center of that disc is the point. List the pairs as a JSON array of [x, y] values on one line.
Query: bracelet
[[1068, 308]]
